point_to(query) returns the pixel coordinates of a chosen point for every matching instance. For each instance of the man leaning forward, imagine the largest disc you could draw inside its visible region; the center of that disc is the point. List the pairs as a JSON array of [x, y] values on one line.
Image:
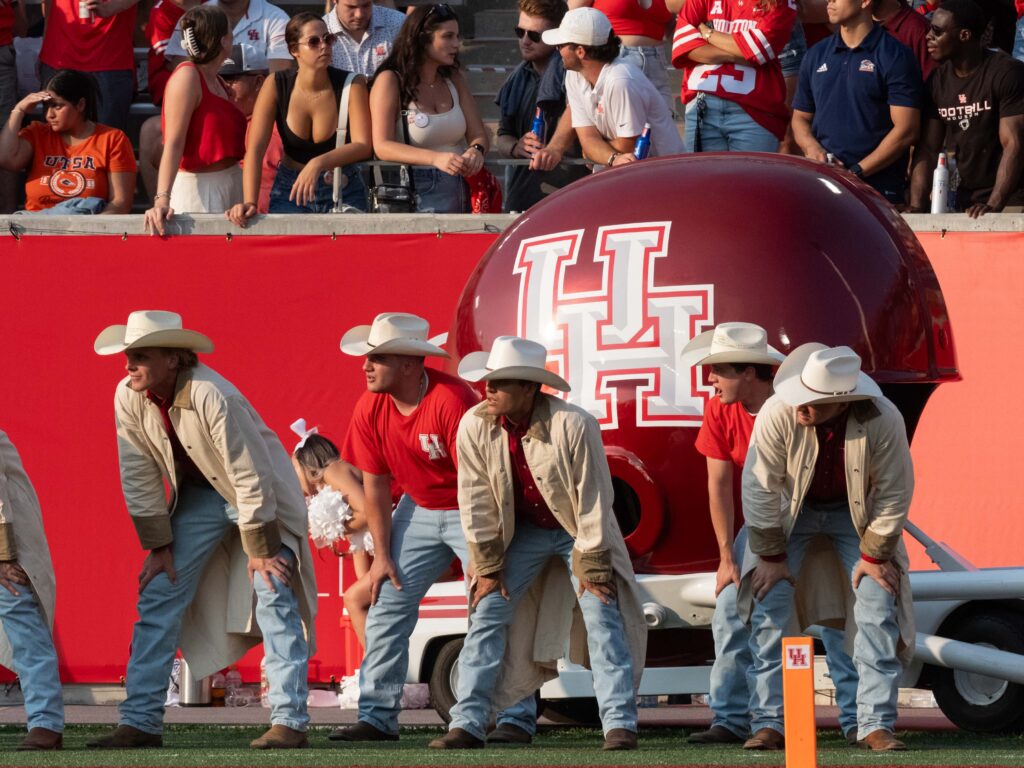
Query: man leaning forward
[[829, 457], [535, 496], [235, 523]]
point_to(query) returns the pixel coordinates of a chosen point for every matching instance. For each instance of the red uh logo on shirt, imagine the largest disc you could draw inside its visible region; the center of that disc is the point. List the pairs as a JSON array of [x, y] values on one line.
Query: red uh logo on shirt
[[254, 34], [431, 445], [609, 322]]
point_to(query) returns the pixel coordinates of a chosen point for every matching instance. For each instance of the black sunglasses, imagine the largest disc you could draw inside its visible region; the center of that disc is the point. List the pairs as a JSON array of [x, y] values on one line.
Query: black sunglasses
[[442, 11], [533, 35]]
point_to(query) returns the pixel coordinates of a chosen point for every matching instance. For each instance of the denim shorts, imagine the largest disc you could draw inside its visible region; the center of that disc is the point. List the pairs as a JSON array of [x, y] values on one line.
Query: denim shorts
[[439, 192], [353, 193]]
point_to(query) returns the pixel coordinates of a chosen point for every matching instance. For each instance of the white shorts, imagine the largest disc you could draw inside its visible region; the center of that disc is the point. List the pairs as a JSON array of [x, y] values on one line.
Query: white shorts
[[212, 192]]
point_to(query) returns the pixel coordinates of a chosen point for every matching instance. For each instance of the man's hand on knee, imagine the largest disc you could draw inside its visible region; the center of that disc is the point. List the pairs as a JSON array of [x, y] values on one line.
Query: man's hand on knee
[[159, 560], [10, 574], [278, 566], [484, 585], [382, 569], [887, 574], [767, 575]]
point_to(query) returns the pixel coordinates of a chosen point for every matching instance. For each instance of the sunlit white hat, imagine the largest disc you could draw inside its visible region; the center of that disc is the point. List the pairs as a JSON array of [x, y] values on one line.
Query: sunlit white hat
[[814, 373], [150, 328], [514, 358]]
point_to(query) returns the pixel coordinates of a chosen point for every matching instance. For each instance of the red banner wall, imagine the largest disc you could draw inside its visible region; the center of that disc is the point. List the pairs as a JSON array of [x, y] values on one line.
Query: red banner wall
[[276, 307]]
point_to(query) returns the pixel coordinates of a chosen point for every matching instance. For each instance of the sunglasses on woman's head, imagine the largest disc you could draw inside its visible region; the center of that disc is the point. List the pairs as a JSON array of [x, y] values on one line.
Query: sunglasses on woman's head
[[442, 11], [315, 41], [533, 35]]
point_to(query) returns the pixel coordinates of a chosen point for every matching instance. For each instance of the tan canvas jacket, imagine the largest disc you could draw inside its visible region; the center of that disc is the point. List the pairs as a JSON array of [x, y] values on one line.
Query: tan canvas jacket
[[564, 451], [879, 484], [22, 538], [246, 464]]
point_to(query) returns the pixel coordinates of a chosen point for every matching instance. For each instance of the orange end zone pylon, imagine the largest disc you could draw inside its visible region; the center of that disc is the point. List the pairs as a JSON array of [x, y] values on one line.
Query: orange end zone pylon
[[798, 702]]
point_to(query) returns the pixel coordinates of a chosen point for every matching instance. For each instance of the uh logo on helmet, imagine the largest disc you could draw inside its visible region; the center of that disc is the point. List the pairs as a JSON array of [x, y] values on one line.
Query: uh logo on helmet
[[616, 273]]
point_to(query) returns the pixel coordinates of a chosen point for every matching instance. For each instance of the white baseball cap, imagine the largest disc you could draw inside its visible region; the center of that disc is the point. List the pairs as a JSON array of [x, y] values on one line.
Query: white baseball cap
[[580, 26]]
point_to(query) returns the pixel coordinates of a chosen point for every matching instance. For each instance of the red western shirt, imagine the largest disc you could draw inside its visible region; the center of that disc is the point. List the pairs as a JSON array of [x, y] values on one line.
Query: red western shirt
[[829, 481], [530, 505], [186, 467]]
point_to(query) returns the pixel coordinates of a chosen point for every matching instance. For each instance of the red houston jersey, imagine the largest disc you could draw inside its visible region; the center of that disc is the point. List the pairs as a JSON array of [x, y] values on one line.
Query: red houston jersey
[[761, 31], [417, 450]]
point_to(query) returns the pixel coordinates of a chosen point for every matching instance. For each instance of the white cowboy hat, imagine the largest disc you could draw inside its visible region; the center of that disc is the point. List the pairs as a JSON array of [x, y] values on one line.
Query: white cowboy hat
[[814, 373], [731, 343], [392, 333], [150, 328], [512, 358]]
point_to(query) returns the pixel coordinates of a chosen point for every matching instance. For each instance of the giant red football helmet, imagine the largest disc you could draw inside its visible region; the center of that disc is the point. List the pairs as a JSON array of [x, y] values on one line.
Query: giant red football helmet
[[616, 273]]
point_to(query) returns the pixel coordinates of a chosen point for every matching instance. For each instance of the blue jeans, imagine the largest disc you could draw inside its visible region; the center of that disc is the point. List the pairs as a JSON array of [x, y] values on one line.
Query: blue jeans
[[726, 127], [1018, 40], [484, 649], [651, 61], [35, 659], [874, 649], [199, 523], [115, 91], [74, 206], [423, 544], [729, 696], [439, 192], [792, 55], [353, 193]]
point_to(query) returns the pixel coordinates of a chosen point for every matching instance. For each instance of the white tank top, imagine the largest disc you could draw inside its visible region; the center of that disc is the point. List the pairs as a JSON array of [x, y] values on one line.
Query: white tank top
[[444, 132]]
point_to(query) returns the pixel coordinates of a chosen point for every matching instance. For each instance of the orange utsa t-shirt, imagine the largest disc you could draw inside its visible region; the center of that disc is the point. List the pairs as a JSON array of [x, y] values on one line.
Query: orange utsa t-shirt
[[60, 172]]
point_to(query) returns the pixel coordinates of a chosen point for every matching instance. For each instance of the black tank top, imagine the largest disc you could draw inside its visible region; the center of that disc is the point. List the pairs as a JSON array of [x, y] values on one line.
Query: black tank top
[[297, 148]]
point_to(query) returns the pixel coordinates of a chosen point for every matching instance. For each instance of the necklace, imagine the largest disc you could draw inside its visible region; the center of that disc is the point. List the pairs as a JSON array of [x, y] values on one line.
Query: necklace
[[434, 84]]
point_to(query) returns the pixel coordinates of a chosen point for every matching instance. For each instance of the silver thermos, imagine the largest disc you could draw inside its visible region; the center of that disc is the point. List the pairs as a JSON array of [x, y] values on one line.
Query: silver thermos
[[193, 692]]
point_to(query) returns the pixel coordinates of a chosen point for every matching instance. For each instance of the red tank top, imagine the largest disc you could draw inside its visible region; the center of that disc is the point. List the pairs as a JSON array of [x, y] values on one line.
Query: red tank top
[[216, 131], [628, 18]]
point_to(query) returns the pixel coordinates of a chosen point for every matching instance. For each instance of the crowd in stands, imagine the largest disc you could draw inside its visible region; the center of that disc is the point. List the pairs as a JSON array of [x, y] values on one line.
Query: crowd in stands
[[877, 87]]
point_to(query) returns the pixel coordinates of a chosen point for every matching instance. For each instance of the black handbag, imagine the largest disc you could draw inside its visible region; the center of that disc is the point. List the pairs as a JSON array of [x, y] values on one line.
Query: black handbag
[[392, 197]]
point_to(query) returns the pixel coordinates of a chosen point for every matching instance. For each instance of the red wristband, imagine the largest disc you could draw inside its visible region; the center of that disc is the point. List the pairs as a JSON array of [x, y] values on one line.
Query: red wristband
[[779, 558], [872, 560]]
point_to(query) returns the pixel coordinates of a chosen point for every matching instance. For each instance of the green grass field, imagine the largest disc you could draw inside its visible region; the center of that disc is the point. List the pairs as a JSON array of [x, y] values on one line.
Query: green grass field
[[189, 745]]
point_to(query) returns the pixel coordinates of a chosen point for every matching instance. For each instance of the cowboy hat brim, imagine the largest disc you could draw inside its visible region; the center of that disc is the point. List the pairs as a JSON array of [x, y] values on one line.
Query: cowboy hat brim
[[698, 352], [790, 387], [355, 343], [111, 340], [473, 367]]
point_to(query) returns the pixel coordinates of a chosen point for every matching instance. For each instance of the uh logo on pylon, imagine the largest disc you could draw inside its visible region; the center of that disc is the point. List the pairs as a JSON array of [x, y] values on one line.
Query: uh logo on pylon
[[616, 327]]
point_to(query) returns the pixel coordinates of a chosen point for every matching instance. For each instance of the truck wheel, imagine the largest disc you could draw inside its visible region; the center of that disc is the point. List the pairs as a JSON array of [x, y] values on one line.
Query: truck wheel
[[443, 678], [580, 711], [977, 702]]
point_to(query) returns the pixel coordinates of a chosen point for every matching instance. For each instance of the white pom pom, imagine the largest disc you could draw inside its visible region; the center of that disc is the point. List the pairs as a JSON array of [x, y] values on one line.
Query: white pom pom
[[327, 515]]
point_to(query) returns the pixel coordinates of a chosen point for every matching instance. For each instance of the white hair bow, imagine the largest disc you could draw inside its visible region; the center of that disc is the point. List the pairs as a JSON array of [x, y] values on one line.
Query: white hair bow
[[299, 428]]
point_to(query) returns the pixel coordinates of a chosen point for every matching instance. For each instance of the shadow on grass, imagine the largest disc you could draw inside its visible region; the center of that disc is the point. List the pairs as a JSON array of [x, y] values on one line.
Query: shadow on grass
[[192, 745]]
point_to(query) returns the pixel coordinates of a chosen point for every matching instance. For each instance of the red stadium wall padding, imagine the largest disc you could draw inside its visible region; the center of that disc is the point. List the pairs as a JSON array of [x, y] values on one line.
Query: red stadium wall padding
[[967, 447], [276, 307]]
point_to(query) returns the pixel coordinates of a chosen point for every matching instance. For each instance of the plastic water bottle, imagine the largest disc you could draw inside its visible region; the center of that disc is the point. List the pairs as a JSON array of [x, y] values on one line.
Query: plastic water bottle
[[537, 128], [940, 186], [217, 684], [643, 143], [233, 679]]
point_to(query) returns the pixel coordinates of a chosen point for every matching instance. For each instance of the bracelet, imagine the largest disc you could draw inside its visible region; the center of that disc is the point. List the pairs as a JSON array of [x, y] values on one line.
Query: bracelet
[[247, 202], [479, 148], [161, 194], [611, 158]]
